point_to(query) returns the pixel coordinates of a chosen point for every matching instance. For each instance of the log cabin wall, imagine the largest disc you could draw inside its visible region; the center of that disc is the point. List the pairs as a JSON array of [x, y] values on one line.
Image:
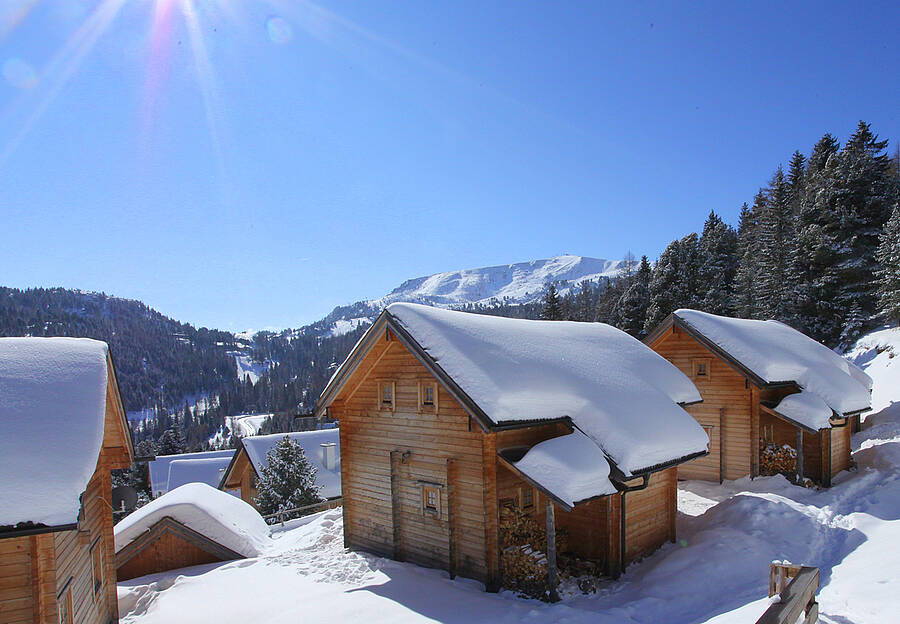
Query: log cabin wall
[[650, 515], [167, 552], [242, 476], [726, 412], [840, 448], [389, 453], [27, 580]]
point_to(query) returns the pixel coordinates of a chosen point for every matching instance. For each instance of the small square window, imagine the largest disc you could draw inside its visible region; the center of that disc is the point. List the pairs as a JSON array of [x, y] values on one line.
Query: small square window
[[428, 396], [527, 499], [700, 368], [386, 395], [431, 500], [97, 565]]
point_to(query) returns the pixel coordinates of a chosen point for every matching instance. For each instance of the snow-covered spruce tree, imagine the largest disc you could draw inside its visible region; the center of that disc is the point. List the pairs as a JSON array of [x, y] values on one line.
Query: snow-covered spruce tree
[[796, 179], [745, 284], [775, 251], [631, 308], [889, 271], [288, 480], [552, 308], [718, 264], [171, 442], [675, 280]]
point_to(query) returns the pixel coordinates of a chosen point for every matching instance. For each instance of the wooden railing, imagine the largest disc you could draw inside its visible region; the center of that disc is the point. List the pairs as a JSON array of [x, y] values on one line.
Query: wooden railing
[[306, 510], [797, 586]]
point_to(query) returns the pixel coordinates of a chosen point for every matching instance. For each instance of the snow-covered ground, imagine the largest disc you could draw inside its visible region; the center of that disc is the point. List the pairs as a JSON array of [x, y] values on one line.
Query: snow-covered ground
[[716, 573], [248, 368]]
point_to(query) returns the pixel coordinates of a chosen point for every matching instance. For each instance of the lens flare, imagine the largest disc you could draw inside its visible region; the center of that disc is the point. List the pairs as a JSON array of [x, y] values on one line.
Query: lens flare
[[19, 74], [279, 30]]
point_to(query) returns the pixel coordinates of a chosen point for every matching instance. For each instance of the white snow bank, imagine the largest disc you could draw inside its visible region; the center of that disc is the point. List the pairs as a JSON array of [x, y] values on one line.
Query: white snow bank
[[572, 467], [618, 391], [221, 517], [778, 353], [877, 353], [208, 471], [159, 467], [52, 411], [258, 447], [807, 409]]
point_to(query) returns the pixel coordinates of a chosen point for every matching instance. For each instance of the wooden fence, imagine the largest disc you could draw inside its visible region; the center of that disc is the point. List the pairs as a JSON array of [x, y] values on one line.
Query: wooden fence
[[297, 512], [797, 586]]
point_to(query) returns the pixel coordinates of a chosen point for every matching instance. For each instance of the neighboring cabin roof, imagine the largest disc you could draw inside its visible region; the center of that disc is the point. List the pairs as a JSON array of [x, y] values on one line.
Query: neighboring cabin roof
[[52, 411], [159, 467], [616, 390], [258, 447], [207, 470], [223, 518], [571, 468], [771, 352]]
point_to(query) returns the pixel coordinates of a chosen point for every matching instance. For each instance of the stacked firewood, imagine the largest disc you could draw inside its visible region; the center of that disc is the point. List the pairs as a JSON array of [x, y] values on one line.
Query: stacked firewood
[[524, 560], [777, 459]]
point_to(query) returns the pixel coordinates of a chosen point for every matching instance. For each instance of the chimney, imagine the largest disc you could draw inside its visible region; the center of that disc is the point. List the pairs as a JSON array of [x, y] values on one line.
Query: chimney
[[329, 455]]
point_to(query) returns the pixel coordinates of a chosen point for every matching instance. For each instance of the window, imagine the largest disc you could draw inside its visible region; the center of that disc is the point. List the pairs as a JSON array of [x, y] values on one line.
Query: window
[[768, 433], [64, 605], [97, 565], [431, 500], [386, 395], [527, 498], [428, 397], [700, 368]]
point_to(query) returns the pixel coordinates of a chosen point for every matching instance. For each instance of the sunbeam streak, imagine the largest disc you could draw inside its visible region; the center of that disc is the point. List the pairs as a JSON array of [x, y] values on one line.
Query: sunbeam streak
[[64, 65]]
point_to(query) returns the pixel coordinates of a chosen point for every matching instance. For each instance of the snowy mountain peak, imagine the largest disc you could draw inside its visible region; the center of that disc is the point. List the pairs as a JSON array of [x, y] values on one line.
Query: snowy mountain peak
[[522, 282]]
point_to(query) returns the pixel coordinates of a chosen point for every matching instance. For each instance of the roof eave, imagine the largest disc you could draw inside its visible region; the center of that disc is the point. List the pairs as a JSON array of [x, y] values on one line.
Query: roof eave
[[37, 530]]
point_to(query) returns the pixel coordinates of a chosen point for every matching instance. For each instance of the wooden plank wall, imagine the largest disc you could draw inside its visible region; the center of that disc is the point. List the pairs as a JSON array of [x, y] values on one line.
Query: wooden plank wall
[[725, 388], [168, 552], [370, 434], [650, 515], [16, 592], [786, 433]]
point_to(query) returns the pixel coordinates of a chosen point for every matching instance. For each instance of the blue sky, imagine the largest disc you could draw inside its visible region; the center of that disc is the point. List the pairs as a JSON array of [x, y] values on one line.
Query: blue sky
[[247, 164]]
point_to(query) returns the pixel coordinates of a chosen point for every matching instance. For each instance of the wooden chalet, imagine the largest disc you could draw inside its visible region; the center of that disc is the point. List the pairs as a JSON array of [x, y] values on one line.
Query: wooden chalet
[[446, 418], [66, 432], [191, 525], [322, 449], [763, 383]]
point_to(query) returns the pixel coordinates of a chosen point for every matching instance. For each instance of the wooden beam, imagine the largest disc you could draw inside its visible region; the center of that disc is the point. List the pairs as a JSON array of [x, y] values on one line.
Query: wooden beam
[[396, 510], [451, 533], [722, 465], [552, 572], [799, 455]]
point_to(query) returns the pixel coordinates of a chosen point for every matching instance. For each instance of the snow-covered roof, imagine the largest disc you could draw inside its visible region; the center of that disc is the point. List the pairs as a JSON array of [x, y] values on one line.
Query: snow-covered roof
[[159, 467], [807, 409], [52, 411], [257, 448], [571, 467], [207, 470], [615, 389], [775, 352], [214, 514]]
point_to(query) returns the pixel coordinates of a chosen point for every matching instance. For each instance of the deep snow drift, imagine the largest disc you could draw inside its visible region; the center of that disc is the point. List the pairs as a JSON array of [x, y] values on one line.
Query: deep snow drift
[[716, 573], [52, 410]]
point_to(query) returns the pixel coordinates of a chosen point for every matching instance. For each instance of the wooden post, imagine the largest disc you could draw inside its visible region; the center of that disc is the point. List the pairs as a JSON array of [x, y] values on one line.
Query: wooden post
[[799, 455], [451, 547], [722, 466], [396, 513], [552, 574]]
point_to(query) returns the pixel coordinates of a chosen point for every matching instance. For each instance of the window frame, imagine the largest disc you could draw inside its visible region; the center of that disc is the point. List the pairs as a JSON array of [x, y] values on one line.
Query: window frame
[[383, 405], [427, 509], [97, 567], [432, 407], [527, 507], [706, 363]]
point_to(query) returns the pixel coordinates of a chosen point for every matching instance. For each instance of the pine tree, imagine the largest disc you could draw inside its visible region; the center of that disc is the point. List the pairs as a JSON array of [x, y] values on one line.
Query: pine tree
[[631, 308], [288, 479], [552, 309], [745, 302], [718, 265], [775, 250], [889, 270], [172, 441], [796, 179], [675, 281]]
